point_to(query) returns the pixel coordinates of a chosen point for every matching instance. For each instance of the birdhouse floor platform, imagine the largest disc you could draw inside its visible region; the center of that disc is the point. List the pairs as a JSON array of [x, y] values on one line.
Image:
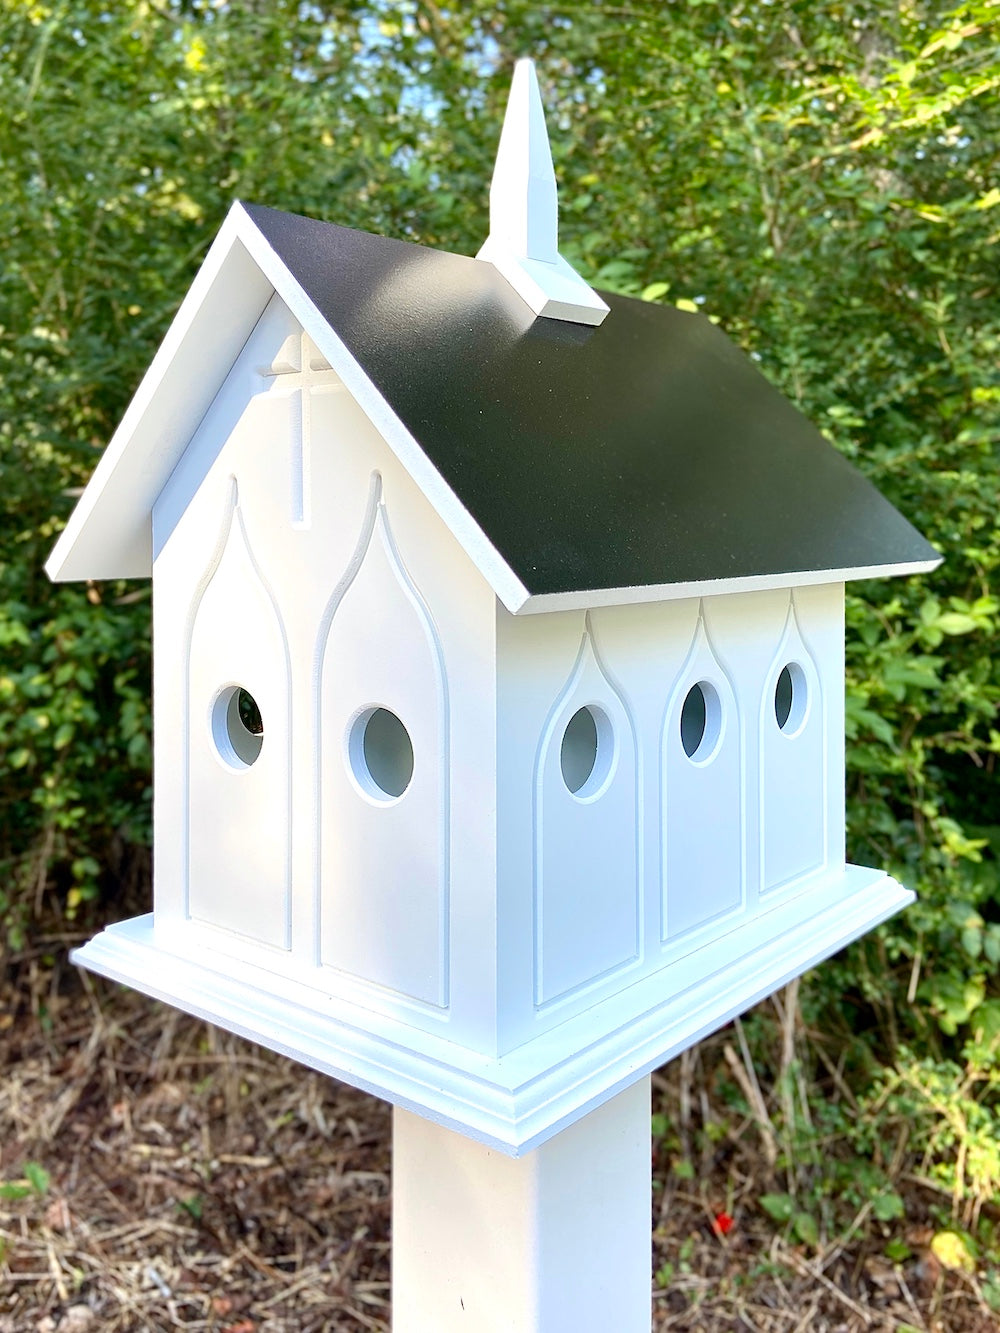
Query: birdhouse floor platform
[[516, 1101]]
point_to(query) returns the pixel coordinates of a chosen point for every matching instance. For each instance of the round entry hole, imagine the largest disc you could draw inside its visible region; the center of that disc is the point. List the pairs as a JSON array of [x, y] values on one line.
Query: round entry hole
[[382, 753], [783, 694], [585, 752], [790, 698], [238, 727], [701, 721]]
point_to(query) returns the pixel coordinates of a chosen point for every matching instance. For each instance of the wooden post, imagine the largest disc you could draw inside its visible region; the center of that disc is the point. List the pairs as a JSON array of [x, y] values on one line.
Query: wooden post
[[559, 1239]]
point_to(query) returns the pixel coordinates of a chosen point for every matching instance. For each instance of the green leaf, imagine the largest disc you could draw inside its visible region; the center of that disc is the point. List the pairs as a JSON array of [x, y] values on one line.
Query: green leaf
[[781, 1207], [972, 941], [806, 1230], [887, 1206], [193, 1206], [655, 290], [990, 1287], [955, 622], [985, 1022], [37, 1177]]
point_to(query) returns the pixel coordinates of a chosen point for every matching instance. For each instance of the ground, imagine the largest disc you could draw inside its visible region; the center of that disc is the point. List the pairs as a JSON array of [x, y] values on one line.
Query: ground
[[159, 1174]]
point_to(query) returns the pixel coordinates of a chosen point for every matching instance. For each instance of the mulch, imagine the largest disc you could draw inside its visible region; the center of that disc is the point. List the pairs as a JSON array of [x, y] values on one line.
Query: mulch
[[172, 1176]]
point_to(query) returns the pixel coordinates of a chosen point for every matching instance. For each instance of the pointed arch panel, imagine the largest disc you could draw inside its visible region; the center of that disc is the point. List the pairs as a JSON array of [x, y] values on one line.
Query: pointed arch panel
[[701, 791], [383, 775], [793, 763], [238, 759], [586, 834]]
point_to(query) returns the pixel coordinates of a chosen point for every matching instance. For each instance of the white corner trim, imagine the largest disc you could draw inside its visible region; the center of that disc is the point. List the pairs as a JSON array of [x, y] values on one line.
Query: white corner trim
[[514, 1102]]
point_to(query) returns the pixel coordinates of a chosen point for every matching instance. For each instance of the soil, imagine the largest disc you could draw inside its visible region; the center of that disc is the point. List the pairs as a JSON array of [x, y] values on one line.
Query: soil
[[171, 1176]]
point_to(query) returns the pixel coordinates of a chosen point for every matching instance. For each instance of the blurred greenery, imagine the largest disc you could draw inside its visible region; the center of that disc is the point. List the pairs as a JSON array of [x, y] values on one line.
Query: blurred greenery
[[821, 176]]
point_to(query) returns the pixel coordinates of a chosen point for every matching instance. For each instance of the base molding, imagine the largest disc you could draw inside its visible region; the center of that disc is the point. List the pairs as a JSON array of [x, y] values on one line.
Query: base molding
[[516, 1101]]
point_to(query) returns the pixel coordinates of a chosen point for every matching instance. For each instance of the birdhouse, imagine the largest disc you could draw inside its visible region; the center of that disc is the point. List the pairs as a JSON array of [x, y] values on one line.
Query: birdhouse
[[498, 672]]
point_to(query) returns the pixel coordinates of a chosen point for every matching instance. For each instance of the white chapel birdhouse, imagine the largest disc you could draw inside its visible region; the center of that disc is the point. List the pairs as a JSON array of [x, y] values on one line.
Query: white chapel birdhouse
[[498, 674]]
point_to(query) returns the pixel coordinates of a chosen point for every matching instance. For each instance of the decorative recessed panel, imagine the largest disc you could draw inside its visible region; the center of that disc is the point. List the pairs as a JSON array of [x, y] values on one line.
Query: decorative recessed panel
[[383, 776], [702, 795], [793, 763], [238, 714], [586, 834]]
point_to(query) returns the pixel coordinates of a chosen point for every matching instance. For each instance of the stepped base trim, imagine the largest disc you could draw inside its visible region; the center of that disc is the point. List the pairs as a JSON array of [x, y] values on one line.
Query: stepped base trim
[[516, 1101]]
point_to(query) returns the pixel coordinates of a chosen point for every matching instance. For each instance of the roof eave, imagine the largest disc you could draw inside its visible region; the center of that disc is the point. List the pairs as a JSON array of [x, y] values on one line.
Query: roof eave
[[590, 599], [109, 533]]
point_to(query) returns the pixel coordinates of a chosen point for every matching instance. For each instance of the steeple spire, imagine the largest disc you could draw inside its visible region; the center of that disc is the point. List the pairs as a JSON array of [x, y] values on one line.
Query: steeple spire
[[524, 222], [523, 205]]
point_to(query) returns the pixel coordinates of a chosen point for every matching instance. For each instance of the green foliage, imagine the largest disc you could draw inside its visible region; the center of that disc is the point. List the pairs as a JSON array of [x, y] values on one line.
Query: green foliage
[[953, 1112], [194, 1206], [820, 179], [36, 1181], [128, 130]]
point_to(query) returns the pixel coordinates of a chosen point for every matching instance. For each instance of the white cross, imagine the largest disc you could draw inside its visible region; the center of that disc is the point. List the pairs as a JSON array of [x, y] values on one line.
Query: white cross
[[299, 370]]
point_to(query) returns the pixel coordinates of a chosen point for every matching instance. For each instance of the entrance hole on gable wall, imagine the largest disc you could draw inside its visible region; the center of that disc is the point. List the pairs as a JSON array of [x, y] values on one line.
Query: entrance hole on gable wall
[[585, 753], [237, 727], [381, 754]]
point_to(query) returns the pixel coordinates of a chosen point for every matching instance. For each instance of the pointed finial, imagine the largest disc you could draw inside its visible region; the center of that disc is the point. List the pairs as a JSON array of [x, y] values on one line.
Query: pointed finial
[[523, 209], [524, 223]]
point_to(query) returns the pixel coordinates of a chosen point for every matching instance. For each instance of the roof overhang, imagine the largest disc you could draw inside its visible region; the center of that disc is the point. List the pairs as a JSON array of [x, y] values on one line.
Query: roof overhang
[[109, 533], [671, 592]]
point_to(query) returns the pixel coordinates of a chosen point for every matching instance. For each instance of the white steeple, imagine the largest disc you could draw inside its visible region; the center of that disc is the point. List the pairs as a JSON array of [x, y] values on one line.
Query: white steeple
[[524, 224]]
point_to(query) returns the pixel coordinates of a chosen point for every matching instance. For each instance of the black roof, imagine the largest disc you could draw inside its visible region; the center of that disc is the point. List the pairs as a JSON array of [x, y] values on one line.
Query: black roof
[[649, 450]]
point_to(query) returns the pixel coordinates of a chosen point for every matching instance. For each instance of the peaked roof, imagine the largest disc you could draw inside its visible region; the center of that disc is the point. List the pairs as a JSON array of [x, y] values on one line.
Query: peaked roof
[[644, 458]]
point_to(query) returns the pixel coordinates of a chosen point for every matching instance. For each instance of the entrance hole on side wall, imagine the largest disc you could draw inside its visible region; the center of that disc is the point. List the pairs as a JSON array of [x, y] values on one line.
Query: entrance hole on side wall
[[790, 699], [585, 754], [701, 721], [381, 754]]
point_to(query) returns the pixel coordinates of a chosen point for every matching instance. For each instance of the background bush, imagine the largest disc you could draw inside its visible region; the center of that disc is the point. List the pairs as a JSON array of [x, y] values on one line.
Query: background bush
[[822, 178]]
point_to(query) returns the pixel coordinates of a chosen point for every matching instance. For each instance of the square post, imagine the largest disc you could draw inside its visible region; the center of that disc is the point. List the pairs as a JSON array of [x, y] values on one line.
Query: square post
[[558, 1239]]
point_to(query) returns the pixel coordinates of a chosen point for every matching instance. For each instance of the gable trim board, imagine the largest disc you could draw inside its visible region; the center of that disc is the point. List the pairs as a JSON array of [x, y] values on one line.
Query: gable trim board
[[517, 1101], [645, 459]]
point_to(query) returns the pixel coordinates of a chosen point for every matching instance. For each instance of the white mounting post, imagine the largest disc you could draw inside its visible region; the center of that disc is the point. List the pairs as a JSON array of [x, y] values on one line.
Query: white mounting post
[[524, 220], [559, 1239]]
